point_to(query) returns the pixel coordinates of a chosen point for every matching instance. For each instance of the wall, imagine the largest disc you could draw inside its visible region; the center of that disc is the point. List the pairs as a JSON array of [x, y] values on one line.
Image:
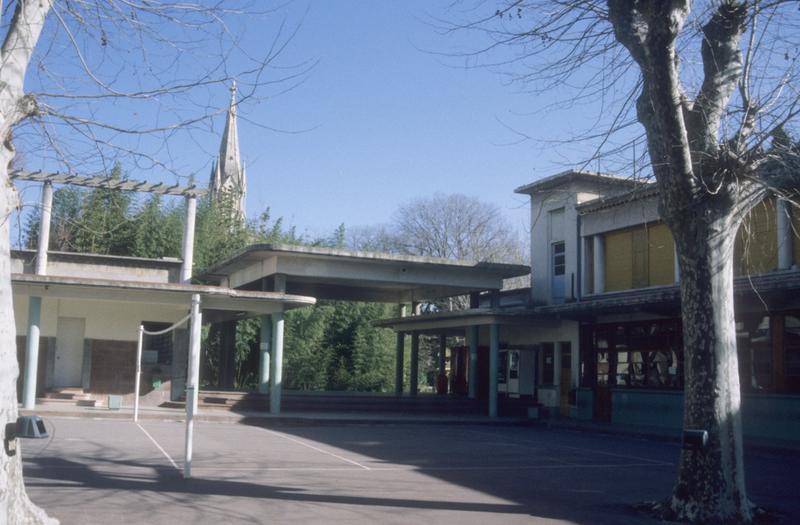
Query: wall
[[766, 419], [567, 197], [650, 408], [100, 267], [634, 213], [111, 320]]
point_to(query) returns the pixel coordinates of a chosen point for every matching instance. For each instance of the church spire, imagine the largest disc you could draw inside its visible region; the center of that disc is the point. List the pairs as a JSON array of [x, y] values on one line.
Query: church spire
[[227, 174]]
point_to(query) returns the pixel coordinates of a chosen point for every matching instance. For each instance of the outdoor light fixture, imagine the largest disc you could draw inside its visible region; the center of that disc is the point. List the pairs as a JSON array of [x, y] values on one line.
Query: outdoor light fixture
[[26, 427], [695, 439]]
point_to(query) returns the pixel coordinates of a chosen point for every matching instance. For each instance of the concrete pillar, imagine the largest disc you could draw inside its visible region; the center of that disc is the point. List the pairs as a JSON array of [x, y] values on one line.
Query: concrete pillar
[[35, 304], [44, 229], [280, 283], [599, 264], [473, 361], [32, 353], [586, 276], [400, 357], [494, 357], [399, 361], [264, 353], [677, 265], [276, 379], [785, 236], [187, 250], [413, 382], [442, 378], [474, 300]]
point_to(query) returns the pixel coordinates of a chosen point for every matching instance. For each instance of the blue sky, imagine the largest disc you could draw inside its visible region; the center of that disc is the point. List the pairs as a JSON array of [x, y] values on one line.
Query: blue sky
[[389, 121], [383, 117]]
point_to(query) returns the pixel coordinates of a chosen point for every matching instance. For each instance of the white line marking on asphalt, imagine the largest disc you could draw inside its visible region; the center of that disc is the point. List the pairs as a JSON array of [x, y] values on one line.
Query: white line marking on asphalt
[[312, 447], [146, 433], [415, 468]]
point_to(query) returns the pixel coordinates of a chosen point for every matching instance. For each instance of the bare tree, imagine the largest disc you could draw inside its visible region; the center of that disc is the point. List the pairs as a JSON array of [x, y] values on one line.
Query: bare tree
[[710, 84], [456, 226], [84, 84]]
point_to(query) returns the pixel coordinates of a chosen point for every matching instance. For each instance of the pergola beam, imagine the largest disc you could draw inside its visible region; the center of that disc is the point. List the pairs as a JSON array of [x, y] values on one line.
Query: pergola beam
[[109, 183]]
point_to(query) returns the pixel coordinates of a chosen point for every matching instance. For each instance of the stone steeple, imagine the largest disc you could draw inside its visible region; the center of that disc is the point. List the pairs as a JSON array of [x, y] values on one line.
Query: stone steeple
[[227, 173]]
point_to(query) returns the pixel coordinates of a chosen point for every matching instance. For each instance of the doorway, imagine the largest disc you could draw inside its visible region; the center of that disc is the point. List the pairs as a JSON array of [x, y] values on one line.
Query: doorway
[[69, 352]]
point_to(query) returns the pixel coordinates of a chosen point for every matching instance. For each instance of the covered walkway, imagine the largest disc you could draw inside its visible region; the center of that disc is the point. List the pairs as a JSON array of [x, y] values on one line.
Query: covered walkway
[[325, 273]]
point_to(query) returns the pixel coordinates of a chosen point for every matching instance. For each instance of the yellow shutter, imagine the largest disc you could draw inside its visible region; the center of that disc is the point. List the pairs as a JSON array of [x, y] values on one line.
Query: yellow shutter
[[640, 274], [661, 256], [619, 260], [756, 249]]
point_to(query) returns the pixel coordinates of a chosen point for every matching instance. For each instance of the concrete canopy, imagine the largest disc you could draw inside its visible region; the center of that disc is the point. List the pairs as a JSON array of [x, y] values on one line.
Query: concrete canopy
[[217, 303], [327, 273], [454, 323]]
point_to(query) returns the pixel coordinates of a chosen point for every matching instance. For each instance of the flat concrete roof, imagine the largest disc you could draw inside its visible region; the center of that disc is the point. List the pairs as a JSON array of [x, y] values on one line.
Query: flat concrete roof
[[94, 258], [565, 177], [328, 273], [454, 323], [216, 302]]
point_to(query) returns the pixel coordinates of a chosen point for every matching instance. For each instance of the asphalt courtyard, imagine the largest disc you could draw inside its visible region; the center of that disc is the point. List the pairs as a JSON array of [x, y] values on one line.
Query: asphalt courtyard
[[93, 471]]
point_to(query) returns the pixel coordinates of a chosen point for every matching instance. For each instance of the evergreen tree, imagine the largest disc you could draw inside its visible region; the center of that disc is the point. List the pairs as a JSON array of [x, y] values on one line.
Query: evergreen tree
[[64, 223], [306, 355], [157, 230], [104, 226]]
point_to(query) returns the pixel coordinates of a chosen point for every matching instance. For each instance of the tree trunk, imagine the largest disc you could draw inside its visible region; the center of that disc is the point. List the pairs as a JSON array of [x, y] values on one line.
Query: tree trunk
[[15, 507], [711, 485]]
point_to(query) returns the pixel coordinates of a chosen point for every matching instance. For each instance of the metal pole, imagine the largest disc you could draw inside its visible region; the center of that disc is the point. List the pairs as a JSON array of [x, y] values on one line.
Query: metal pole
[[194, 379], [276, 383], [187, 251], [138, 374]]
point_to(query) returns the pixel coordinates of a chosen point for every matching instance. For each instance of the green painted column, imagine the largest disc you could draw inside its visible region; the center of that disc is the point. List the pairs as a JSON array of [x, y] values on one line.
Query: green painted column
[[413, 387], [442, 377], [494, 355], [276, 379], [399, 363], [473, 362], [32, 353], [264, 353]]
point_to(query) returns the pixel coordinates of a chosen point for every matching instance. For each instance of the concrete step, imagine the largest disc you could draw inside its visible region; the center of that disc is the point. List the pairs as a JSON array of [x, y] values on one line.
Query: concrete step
[[67, 401], [68, 393], [339, 402]]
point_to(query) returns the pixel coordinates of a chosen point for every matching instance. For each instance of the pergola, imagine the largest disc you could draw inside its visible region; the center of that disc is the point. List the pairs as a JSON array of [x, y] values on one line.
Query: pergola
[[213, 300]]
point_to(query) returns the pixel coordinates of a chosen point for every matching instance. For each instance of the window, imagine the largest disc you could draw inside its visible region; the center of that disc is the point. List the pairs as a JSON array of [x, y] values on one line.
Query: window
[[647, 354], [754, 347], [559, 258]]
